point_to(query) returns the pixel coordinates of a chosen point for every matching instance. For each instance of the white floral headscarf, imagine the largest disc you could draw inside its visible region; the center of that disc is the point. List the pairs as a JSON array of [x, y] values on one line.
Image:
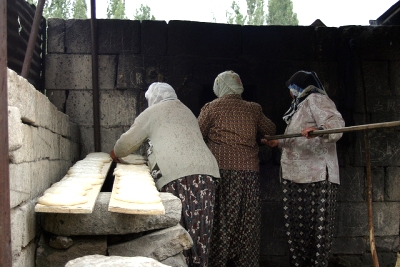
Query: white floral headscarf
[[227, 83], [160, 92]]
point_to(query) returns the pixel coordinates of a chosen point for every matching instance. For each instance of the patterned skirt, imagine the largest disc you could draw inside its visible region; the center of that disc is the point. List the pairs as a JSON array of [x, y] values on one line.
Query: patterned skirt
[[237, 220], [197, 193], [309, 213]]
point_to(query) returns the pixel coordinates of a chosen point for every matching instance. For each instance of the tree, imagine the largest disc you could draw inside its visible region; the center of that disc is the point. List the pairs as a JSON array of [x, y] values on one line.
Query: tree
[[80, 10], [143, 13], [280, 12], [255, 13], [116, 9], [57, 9]]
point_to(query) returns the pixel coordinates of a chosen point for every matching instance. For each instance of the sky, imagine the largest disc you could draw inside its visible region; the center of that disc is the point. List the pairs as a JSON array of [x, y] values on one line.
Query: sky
[[333, 13]]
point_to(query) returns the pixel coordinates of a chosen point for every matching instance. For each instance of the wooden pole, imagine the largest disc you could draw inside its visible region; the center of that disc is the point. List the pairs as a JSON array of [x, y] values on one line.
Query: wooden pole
[[363, 127], [5, 223]]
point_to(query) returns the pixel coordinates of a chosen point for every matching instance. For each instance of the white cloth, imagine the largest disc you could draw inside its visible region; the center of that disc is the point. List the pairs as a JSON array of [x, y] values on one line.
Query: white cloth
[[160, 92], [227, 83]]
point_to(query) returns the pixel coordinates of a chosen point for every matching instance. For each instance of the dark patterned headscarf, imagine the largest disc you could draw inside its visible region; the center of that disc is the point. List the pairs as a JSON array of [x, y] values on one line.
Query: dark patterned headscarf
[[302, 84]]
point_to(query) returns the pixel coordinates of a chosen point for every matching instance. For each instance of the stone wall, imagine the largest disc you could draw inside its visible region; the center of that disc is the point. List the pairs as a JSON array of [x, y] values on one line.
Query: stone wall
[[359, 67], [43, 144]]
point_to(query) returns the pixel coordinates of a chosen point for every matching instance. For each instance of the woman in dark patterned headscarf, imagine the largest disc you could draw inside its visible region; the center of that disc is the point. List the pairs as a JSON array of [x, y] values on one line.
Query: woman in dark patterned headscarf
[[309, 171]]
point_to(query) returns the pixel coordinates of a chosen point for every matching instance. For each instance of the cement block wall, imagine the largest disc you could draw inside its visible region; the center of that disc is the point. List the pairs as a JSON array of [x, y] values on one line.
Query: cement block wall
[[352, 62], [43, 144]]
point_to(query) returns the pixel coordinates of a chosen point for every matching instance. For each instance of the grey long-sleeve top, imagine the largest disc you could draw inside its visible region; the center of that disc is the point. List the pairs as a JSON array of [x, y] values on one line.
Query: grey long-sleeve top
[[178, 146]]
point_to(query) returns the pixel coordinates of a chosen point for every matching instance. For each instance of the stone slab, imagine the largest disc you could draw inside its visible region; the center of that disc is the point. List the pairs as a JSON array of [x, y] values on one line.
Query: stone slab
[[15, 133], [114, 261], [102, 222]]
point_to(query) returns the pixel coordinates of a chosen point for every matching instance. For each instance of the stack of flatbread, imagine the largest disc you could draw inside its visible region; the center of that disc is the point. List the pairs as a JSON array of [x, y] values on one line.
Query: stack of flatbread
[[80, 178], [134, 184]]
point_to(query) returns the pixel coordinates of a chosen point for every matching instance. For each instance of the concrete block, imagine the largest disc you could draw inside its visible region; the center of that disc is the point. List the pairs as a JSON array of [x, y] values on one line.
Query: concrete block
[[154, 37], [26, 257], [65, 130], [20, 183], [47, 256], [108, 138], [103, 222], [75, 152], [58, 98], [374, 43], [328, 43], [44, 116], [392, 184], [65, 148], [376, 78], [178, 260], [378, 184], [158, 245], [352, 187], [40, 179], [117, 36], [74, 132], [384, 148], [204, 39], [114, 261], [75, 71], [21, 94], [394, 69], [26, 152], [387, 243], [15, 133], [56, 35], [270, 39], [352, 219], [23, 226]]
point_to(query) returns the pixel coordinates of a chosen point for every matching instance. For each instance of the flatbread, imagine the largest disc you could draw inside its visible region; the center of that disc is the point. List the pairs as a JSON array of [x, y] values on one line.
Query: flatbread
[[62, 200], [65, 190]]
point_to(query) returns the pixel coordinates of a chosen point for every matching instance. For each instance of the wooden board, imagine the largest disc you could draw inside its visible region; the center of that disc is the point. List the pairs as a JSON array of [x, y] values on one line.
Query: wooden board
[[87, 207], [133, 208]]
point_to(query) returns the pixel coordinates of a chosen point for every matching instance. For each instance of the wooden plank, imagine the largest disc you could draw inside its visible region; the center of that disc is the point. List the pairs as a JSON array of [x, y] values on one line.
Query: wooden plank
[[133, 208], [87, 207]]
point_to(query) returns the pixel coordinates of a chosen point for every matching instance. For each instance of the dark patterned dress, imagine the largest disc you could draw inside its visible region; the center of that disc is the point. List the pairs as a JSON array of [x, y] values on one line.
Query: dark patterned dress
[[237, 216], [309, 213], [197, 193]]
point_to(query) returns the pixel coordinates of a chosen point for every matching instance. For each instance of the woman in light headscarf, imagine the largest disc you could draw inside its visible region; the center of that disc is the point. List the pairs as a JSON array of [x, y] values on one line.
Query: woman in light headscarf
[[230, 127], [309, 171], [180, 162]]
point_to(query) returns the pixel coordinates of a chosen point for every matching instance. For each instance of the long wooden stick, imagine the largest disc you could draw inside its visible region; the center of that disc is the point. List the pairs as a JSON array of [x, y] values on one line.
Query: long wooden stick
[[363, 127]]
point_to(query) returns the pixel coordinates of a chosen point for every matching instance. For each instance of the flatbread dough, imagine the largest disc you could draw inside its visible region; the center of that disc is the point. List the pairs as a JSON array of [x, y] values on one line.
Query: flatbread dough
[[65, 190], [62, 200]]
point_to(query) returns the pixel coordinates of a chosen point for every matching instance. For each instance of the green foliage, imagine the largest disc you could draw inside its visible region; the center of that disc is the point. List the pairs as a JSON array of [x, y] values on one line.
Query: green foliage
[[80, 9], [143, 13], [116, 9], [236, 17], [64, 9], [280, 12]]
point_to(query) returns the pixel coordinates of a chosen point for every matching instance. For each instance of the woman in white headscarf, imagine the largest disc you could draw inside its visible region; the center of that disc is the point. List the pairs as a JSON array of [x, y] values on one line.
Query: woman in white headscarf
[[230, 127], [180, 161]]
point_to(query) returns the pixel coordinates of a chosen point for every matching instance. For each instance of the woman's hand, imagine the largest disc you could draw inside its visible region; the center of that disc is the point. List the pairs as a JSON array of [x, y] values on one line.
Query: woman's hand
[[306, 132], [270, 143], [114, 158]]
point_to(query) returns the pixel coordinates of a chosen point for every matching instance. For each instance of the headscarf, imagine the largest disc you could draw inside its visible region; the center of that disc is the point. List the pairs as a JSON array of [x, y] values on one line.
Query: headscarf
[[302, 84], [227, 83], [160, 92]]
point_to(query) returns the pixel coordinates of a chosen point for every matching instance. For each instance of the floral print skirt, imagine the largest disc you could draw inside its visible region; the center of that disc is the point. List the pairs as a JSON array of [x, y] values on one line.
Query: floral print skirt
[[197, 193], [309, 214]]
